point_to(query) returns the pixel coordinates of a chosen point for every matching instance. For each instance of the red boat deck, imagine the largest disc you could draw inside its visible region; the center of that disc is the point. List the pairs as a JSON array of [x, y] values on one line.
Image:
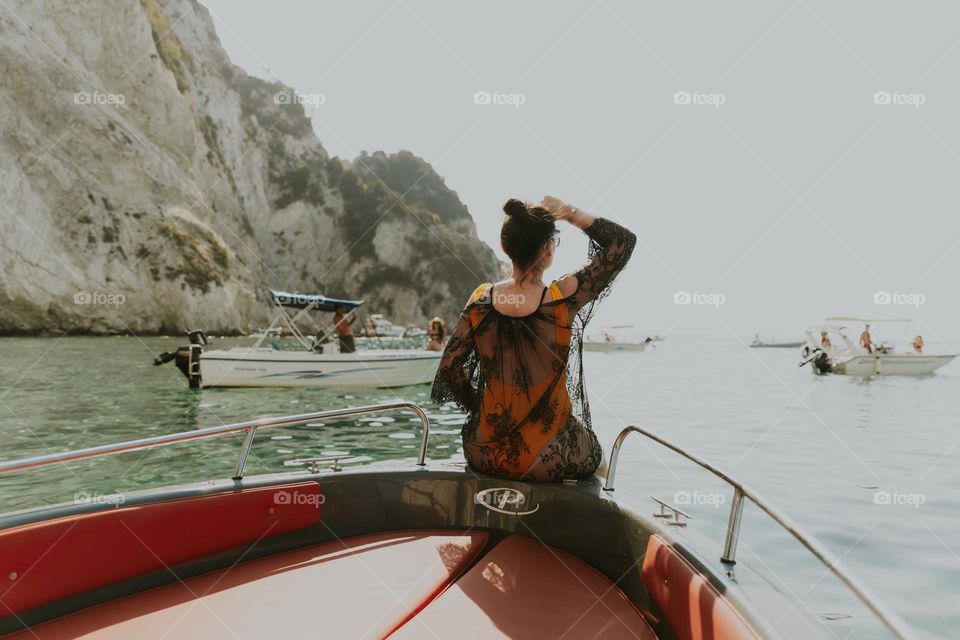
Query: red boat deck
[[399, 584]]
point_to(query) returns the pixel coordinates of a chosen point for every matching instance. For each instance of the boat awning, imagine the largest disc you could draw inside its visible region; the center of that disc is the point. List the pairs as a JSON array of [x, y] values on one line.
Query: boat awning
[[866, 320], [313, 300]]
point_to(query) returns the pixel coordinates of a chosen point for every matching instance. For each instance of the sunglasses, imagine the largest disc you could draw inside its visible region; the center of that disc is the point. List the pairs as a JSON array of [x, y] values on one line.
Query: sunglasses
[[556, 239]]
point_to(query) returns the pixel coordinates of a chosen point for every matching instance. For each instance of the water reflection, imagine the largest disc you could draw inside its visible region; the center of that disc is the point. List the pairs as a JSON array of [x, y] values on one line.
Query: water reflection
[[82, 394]]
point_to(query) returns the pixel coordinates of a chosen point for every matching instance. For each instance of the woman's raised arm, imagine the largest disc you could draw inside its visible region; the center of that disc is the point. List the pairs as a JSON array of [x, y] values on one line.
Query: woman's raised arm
[[611, 246]]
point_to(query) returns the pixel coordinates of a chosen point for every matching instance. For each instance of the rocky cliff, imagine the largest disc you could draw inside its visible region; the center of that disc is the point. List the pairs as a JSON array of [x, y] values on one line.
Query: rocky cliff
[[149, 185]]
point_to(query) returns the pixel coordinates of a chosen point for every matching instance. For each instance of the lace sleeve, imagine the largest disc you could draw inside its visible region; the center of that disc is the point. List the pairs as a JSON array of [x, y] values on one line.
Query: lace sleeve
[[456, 376], [611, 246]]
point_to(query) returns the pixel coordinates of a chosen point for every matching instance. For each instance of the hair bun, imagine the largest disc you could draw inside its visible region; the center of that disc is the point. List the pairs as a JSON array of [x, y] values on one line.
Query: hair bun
[[514, 207]]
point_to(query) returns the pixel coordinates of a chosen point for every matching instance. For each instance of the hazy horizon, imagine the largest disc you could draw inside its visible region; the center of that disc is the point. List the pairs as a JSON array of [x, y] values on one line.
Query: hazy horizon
[[792, 160]]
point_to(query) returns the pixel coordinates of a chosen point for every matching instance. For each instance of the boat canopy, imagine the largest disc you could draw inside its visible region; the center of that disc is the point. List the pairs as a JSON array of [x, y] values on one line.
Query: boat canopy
[[866, 320], [827, 327], [312, 300]]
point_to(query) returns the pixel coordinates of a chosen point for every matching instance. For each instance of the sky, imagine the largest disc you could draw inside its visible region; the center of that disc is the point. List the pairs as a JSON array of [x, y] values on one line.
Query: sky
[[780, 161]]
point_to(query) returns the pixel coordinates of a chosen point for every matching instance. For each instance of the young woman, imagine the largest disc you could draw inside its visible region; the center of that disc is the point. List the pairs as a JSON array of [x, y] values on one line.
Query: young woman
[[513, 360], [436, 335]]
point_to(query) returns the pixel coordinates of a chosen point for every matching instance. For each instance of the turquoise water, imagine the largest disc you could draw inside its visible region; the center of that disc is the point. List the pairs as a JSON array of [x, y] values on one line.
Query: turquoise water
[[825, 450]]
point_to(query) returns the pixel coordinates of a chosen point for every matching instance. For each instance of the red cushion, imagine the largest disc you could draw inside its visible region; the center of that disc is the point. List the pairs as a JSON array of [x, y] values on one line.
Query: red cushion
[[358, 588], [692, 606], [63, 557], [523, 589]]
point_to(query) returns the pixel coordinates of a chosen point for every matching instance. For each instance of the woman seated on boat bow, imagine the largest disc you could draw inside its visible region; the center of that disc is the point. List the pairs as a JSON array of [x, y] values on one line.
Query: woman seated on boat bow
[[513, 362]]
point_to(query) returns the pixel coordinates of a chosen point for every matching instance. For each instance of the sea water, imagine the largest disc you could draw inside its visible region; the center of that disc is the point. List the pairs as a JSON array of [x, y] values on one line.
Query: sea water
[[869, 466]]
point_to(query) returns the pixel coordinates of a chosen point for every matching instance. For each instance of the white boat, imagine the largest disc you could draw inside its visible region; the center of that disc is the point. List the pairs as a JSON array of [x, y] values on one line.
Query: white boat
[[259, 367], [270, 332], [773, 343], [843, 356], [318, 364], [377, 325], [415, 332], [611, 339]]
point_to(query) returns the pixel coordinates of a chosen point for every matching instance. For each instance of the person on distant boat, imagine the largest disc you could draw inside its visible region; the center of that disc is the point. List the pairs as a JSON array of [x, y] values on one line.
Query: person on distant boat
[[436, 335], [513, 362], [866, 341], [918, 344], [343, 323], [825, 340]]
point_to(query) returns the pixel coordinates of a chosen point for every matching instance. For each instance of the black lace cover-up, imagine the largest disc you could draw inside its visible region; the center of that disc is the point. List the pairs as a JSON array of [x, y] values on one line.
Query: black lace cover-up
[[520, 379]]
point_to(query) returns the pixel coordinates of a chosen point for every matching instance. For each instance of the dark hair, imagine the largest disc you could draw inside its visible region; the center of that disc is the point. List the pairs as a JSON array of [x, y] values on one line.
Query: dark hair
[[525, 231], [441, 326]]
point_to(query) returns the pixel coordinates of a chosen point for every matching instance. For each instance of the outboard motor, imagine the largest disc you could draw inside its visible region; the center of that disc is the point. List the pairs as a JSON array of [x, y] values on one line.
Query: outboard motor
[[187, 358], [816, 358], [822, 364]]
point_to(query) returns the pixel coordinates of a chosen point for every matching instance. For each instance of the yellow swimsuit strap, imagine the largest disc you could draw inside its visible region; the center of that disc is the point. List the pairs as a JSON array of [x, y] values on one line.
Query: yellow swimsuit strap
[[481, 294]]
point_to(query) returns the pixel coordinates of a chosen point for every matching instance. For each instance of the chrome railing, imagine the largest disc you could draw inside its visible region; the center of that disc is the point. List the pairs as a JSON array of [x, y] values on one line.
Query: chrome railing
[[249, 428], [890, 620]]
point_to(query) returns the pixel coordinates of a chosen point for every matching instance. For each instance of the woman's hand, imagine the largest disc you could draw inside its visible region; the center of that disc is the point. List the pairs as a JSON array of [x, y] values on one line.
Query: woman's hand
[[566, 212], [557, 208]]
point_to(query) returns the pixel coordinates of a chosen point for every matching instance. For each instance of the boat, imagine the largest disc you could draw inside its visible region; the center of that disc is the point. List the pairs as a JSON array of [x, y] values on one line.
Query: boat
[[611, 339], [773, 343], [318, 363], [401, 549], [415, 332], [843, 356], [268, 367], [377, 325], [269, 332]]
